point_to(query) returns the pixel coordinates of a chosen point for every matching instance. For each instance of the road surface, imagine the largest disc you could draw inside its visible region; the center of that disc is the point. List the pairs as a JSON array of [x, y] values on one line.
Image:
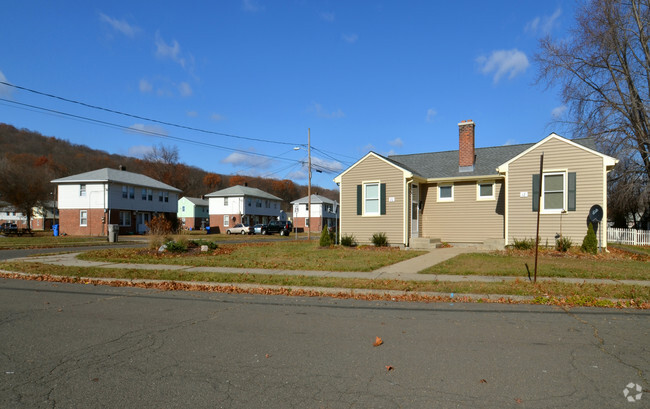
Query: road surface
[[84, 346]]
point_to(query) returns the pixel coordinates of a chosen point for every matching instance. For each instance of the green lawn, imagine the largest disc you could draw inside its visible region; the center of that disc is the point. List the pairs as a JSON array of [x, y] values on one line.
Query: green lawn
[[545, 292], [550, 264], [634, 249], [289, 255], [45, 240]]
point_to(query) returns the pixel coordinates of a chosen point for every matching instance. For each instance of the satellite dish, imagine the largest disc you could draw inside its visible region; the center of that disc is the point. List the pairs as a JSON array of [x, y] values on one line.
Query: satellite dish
[[595, 214]]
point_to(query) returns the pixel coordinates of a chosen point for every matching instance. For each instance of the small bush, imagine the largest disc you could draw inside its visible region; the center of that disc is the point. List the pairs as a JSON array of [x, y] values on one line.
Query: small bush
[[325, 239], [380, 240], [525, 244], [159, 226], [348, 240], [563, 244], [590, 242], [200, 242], [179, 246]]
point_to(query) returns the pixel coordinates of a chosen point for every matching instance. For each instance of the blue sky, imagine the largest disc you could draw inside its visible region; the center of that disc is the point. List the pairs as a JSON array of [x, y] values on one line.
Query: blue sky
[[392, 77]]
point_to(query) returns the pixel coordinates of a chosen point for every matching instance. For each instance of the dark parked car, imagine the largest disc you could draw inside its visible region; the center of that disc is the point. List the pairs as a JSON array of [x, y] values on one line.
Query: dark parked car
[[8, 227], [276, 226]]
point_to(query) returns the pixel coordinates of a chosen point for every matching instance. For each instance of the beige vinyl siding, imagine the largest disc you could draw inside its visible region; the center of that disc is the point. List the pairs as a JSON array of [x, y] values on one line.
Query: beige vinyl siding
[[363, 227], [558, 155], [465, 219]]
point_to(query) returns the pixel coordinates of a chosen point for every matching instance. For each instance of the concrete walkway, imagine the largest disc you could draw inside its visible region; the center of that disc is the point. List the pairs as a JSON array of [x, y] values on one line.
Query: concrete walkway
[[405, 270]]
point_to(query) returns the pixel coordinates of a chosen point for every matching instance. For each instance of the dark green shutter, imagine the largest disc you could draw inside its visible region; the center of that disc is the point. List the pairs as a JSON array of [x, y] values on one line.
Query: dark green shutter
[[535, 192], [359, 200], [382, 198], [572, 192]]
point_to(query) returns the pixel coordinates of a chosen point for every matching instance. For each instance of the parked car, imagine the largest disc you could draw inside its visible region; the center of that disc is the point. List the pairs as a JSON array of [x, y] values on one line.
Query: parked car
[[239, 228], [8, 227], [258, 228], [276, 226]]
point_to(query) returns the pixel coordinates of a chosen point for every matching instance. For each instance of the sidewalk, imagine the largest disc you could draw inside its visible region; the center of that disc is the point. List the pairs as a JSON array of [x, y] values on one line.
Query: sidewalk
[[404, 271]]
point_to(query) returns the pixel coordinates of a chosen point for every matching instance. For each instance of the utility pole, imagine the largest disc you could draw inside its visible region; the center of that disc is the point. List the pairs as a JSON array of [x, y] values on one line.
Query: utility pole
[[309, 185]]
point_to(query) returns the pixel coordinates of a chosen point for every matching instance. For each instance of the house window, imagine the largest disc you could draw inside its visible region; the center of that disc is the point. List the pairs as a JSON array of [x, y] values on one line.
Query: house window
[[553, 197], [166, 195], [258, 203], [125, 219], [249, 202], [307, 207], [150, 195], [125, 192], [131, 192], [83, 218], [182, 208], [371, 199], [225, 201], [268, 204], [485, 191], [446, 193], [160, 196], [226, 220], [144, 194], [82, 190]]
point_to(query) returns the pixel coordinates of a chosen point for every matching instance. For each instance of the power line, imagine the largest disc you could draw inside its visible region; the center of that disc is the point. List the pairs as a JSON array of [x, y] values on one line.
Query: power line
[[72, 101], [147, 132]]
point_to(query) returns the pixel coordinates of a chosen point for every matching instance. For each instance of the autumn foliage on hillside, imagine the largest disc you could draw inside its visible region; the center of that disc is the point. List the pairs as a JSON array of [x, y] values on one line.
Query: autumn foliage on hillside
[[35, 158]]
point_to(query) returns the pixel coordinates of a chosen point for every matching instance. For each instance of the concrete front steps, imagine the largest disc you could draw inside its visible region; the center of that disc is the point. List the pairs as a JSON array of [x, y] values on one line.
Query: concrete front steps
[[424, 243]]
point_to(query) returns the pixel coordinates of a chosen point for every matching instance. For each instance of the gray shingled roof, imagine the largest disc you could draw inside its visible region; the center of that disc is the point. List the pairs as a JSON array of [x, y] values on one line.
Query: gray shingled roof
[[116, 176], [445, 164], [242, 191], [197, 201], [314, 199]]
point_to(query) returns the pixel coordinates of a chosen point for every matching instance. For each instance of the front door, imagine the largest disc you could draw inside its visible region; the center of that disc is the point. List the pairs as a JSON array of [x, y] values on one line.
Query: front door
[[415, 211], [141, 220]]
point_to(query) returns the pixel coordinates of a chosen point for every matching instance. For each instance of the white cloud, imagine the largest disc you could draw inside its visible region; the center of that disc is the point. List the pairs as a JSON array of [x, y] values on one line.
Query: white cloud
[[173, 52], [184, 89], [544, 24], [300, 174], [217, 117], [192, 114], [323, 113], [243, 159], [5, 90], [119, 25], [350, 38], [397, 142], [252, 5], [558, 111], [327, 16], [139, 151], [148, 129], [510, 142], [501, 62], [326, 165], [431, 113], [145, 86]]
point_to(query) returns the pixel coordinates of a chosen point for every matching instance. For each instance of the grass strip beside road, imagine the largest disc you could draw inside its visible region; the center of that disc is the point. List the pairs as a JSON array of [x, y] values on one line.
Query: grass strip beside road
[[286, 255], [40, 240], [550, 264], [577, 294]]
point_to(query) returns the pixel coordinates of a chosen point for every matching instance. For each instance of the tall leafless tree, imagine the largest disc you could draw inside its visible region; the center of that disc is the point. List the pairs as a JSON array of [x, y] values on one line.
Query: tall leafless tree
[[603, 68]]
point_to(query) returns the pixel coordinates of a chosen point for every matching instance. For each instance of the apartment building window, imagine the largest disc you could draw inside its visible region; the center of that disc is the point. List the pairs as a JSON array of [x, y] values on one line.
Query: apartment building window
[[125, 219], [144, 194], [82, 190], [83, 218], [131, 192]]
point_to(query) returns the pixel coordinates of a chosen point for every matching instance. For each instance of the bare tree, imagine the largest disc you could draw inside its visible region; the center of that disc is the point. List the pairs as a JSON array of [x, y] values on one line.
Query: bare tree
[[24, 185], [604, 71]]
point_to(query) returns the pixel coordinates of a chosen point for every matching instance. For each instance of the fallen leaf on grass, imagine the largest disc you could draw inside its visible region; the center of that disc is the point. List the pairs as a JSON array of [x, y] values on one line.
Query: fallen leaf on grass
[[268, 355], [95, 379], [483, 381], [389, 368], [518, 400], [378, 341]]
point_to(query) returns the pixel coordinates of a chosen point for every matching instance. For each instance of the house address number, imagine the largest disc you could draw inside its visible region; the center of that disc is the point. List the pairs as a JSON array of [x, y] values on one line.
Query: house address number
[[523, 194]]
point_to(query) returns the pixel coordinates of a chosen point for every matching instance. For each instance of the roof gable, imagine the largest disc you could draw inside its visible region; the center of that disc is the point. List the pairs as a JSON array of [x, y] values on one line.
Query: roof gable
[[586, 144], [196, 201], [407, 172], [314, 199], [242, 191], [109, 175]]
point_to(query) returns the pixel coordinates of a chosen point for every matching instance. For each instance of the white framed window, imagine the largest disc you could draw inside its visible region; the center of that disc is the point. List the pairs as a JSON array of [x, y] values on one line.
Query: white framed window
[[131, 192], [446, 192], [267, 204], [125, 218], [554, 192], [83, 217], [144, 194], [160, 196], [150, 195], [182, 208], [371, 199], [258, 203], [82, 190], [225, 201], [249, 202], [226, 220], [485, 190], [125, 192]]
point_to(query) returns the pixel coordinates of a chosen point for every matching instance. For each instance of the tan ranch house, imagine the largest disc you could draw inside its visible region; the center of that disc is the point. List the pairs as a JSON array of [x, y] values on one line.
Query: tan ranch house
[[476, 195]]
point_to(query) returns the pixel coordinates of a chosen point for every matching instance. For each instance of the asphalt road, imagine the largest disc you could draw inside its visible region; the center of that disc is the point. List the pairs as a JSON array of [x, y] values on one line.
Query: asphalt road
[[84, 346]]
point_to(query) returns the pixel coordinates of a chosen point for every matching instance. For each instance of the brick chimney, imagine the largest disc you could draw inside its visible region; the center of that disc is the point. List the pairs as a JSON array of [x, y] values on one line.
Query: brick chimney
[[466, 154]]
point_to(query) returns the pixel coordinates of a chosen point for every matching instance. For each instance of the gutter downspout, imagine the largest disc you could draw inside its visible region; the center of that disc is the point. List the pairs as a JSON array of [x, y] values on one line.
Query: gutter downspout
[[407, 206]]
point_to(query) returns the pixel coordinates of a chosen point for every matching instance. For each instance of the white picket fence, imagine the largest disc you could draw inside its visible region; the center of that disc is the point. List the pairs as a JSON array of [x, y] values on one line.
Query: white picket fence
[[628, 236]]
